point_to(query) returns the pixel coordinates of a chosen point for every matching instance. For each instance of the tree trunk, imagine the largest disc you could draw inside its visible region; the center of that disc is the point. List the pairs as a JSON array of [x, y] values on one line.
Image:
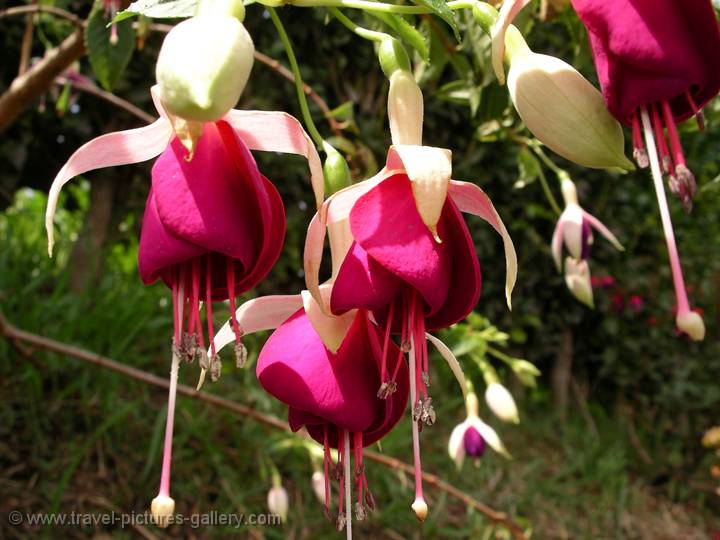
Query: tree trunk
[[562, 373]]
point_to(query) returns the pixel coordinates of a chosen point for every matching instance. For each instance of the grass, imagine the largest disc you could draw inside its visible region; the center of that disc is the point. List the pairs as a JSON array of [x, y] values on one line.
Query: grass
[[77, 438]]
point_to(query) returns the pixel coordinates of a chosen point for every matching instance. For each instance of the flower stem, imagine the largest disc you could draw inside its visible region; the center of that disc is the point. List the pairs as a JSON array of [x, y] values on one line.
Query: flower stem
[[680, 293], [299, 85], [371, 35]]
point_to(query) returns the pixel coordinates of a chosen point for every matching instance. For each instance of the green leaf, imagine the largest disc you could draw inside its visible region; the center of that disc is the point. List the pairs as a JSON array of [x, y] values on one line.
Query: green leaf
[[441, 9], [528, 168], [108, 59], [160, 9], [407, 32]]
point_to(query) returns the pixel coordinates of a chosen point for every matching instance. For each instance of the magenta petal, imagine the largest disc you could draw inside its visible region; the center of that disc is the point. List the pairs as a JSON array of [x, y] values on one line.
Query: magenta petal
[[465, 281], [362, 283], [386, 224], [296, 368], [649, 51]]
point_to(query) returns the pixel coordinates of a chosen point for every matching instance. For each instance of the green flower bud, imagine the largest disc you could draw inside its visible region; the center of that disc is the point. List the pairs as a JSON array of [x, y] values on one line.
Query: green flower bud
[[203, 66], [562, 109], [393, 56], [335, 170]]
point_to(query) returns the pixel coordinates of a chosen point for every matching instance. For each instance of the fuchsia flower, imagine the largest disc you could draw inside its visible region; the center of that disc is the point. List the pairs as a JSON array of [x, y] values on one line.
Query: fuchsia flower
[[402, 251], [213, 225], [327, 370], [660, 55], [574, 230], [472, 436], [658, 65]]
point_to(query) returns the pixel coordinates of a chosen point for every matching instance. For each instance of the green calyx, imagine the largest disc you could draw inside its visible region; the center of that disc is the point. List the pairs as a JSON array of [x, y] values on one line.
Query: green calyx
[[335, 170]]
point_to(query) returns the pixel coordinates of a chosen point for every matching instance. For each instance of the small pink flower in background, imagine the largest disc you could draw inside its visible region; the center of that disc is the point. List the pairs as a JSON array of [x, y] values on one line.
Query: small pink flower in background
[[636, 303]]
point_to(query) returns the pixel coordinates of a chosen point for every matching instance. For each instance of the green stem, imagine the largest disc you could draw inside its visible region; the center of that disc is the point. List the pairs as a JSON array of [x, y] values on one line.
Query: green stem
[[484, 13], [299, 86], [561, 173], [372, 35], [548, 193]]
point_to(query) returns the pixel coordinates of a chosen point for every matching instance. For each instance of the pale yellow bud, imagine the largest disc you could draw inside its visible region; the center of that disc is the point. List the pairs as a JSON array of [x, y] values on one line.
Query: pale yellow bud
[[203, 66], [405, 109], [277, 501], [565, 112], [318, 486], [501, 403]]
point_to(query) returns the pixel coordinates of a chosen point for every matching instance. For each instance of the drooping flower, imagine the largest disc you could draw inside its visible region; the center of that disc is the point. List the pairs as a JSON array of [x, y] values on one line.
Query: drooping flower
[[658, 65], [660, 55], [213, 225], [574, 230], [278, 502], [472, 436], [402, 251], [327, 370]]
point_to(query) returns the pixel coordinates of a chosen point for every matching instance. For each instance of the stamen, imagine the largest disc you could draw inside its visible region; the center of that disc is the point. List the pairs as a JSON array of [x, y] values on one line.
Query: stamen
[[665, 160], [639, 152], [678, 282], [326, 469], [386, 342], [699, 115], [348, 490], [240, 349], [215, 363], [685, 178]]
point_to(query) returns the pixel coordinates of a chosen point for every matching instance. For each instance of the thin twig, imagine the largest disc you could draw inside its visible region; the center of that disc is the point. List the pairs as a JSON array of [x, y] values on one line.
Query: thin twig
[[27, 39], [109, 97], [58, 12], [17, 335]]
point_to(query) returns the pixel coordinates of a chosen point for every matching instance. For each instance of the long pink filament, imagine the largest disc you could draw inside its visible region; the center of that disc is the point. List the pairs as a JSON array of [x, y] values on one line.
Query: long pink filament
[[680, 293], [348, 490]]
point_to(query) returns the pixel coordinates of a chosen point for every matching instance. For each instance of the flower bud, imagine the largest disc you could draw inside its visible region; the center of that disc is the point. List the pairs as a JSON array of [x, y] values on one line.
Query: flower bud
[[335, 170], [277, 501], [162, 508], [577, 279], [565, 112], [501, 403], [405, 109], [692, 324], [393, 57], [318, 486], [525, 371], [203, 66]]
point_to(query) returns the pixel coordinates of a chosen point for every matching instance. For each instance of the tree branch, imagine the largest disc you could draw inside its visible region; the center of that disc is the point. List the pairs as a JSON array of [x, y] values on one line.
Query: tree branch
[[34, 82], [15, 335]]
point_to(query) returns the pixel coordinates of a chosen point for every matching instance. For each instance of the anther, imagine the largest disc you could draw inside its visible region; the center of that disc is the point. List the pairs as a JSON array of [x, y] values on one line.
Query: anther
[[360, 511], [386, 389], [428, 412], [241, 354], [340, 522], [215, 368]]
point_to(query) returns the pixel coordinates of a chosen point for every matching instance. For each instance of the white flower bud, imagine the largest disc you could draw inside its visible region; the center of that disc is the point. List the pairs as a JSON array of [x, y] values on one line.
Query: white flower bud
[[318, 485], [565, 112], [203, 66], [577, 279], [277, 501], [501, 403]]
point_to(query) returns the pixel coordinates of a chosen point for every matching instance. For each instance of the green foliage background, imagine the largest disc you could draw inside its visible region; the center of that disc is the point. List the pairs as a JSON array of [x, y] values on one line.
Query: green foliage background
[[77, 435]]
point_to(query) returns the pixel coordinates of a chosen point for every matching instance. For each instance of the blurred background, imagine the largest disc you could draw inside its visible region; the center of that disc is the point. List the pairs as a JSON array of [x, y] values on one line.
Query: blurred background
[[610, 440]]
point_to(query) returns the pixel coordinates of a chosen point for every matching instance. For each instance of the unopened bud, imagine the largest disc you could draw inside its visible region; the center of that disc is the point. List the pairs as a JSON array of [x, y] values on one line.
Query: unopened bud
[[230, 8], [318, 485], [565, 112], [405, 109], [577, 279], [277, 501], [501, 403], [335, 170], [526, 371], [692, 324], [203, 66], [393, 57], [162, 508]]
